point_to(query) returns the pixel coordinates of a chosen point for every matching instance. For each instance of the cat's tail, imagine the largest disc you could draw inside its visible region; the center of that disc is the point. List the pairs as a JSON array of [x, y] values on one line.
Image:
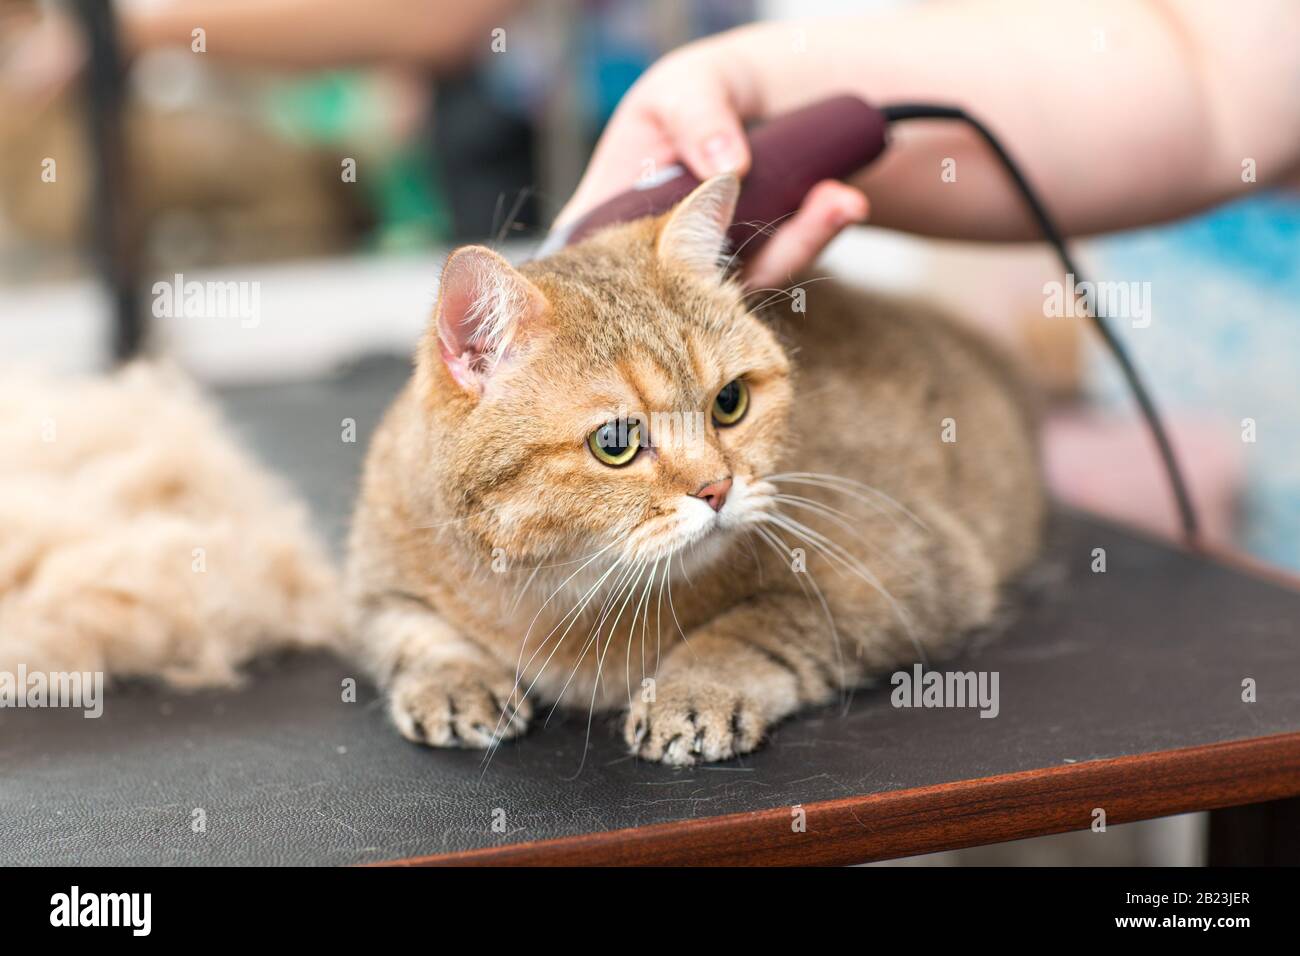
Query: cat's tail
[[137, 538]]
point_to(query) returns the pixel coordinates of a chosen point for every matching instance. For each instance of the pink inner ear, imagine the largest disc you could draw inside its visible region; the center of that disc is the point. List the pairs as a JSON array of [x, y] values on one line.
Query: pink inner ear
[[456, 328], [484, 303]]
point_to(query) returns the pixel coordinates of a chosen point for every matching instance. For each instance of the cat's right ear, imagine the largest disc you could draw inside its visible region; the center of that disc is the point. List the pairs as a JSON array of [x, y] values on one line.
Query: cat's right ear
[[694, 234], [484, 306]]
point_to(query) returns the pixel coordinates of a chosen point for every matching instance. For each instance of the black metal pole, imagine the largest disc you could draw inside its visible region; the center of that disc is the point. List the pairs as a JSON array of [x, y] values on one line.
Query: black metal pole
[[113, 233]]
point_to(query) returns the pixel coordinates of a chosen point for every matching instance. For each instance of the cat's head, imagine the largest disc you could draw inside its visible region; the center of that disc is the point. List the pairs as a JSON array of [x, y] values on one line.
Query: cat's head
[[617, 393]]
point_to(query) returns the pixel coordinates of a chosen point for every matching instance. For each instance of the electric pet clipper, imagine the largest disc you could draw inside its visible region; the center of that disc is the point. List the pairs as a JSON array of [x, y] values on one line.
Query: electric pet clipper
[[831, 139]]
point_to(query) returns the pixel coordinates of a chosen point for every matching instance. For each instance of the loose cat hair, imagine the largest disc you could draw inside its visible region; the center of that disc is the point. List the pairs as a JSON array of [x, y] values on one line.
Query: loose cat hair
[[867, 482], [139, 540]]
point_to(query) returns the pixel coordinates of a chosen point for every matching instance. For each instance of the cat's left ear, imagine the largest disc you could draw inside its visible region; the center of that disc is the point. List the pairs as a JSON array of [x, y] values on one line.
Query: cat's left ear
[[484, 306], [695, 233]]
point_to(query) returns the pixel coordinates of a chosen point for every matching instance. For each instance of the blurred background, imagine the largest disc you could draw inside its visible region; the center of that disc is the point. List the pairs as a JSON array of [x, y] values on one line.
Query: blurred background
[[295, 147]]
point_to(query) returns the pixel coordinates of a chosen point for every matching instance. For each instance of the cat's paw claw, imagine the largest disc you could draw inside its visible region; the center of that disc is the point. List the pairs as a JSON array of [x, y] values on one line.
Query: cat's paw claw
[[458, 707], [692, 723]]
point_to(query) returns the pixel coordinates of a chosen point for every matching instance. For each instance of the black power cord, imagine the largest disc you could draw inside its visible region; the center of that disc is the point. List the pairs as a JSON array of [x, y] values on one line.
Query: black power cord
[[1186, 511]]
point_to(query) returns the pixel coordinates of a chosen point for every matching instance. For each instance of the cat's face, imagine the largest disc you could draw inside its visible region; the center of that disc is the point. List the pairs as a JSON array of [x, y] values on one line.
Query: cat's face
[[616, 395]]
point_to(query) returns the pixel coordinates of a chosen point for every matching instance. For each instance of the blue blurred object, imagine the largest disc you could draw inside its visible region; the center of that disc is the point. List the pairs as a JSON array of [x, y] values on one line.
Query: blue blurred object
[[612, 43], [1258, 238], [1224, 340]]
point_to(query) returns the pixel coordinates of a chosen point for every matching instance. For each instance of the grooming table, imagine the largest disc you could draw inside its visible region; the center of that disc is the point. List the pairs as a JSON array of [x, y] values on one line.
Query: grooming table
[[1120, 691]]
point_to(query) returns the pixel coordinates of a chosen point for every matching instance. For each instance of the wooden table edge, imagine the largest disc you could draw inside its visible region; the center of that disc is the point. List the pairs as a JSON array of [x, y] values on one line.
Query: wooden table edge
[[881, 826]]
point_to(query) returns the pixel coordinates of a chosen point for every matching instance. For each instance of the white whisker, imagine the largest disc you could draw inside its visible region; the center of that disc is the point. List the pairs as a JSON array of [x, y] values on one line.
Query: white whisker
[[784, 551], [844, 560], [847, 486], [833, 515], [787, 293], [521, 667]]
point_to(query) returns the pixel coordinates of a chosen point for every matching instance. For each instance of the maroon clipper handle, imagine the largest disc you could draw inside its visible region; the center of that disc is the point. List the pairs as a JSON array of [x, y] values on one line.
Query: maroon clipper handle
[[831, 139]]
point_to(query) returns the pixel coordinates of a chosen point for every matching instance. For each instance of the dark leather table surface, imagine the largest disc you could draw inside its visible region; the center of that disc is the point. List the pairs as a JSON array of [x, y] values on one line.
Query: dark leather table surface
[[1149, 656]]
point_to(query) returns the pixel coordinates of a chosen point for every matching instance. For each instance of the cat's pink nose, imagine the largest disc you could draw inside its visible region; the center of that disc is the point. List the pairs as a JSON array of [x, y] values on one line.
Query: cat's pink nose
[[714, 494]]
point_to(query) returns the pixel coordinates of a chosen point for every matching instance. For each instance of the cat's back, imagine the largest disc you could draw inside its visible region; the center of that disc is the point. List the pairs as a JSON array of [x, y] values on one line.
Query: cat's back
[[897, 394], [870, 342]]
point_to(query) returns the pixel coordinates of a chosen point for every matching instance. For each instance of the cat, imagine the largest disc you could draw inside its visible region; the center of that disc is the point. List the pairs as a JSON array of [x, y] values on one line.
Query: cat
[[861, 480]]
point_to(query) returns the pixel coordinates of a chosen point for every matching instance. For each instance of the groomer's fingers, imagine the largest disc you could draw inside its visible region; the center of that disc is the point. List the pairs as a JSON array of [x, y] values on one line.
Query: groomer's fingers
[[705, 129], [829, 207], [44, 58], [632, 145], [682, 110]]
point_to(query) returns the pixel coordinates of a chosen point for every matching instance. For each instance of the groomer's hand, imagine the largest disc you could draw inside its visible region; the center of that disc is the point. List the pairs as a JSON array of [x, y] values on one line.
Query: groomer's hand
[[43, 56], [689, 107]]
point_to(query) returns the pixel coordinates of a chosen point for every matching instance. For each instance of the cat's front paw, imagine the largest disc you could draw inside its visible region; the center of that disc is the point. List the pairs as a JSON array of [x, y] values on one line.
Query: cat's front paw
[[458, 705], [692, 721]]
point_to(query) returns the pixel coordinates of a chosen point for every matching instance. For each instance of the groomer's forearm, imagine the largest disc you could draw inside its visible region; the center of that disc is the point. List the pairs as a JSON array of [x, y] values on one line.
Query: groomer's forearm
[[320, 33], [1122, 112]]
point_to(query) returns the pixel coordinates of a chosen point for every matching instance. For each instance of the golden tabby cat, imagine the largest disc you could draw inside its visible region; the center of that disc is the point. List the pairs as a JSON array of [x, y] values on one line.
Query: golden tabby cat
[[611, 484]]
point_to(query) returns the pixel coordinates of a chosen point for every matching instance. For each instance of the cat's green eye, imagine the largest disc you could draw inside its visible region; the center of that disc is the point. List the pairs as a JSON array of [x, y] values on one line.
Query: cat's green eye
[[731, 403], [615, 443]]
